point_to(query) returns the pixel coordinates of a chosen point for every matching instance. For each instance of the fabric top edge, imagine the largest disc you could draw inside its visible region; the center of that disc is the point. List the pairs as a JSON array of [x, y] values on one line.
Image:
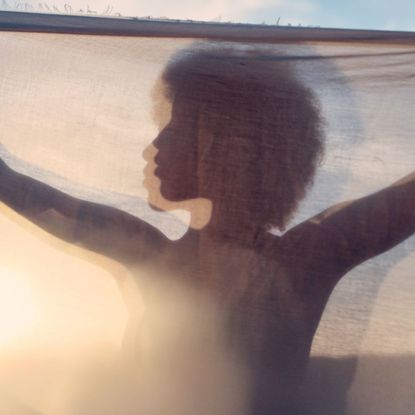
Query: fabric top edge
[[116, 26]]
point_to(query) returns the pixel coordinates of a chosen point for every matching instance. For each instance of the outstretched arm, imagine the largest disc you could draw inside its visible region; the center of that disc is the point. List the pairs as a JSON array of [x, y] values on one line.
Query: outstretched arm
[[103, 229], [347, 234]]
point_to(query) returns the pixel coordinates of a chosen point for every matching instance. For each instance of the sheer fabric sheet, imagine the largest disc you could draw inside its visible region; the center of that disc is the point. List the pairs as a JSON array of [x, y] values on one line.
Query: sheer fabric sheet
[[89, 323]]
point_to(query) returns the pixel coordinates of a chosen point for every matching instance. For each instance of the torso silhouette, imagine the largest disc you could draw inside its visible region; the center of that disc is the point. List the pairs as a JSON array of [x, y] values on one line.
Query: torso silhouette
[[275, 303]]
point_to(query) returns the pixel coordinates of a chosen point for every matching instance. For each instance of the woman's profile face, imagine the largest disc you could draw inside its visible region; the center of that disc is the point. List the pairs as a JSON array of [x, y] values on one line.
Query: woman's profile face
[[175, 155]]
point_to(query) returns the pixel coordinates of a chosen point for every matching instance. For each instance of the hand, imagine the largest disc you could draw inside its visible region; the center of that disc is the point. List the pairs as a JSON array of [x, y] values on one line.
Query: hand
[[4, 180], [3, 165], [4, 168]]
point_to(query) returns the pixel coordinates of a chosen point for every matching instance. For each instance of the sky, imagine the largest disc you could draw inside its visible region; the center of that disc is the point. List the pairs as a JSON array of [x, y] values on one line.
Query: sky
[[353, 14]]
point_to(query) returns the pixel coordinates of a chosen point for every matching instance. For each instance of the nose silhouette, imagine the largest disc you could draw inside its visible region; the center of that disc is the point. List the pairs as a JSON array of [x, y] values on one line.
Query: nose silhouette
[[160, 148], [150, 152], [162, 137]]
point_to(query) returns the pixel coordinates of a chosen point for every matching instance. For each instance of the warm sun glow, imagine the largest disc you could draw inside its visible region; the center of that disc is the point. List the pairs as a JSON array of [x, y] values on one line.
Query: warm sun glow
[[17, 307]]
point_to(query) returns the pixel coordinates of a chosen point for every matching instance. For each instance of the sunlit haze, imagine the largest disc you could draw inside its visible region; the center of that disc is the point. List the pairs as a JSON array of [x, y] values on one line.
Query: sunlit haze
[[17, 307]]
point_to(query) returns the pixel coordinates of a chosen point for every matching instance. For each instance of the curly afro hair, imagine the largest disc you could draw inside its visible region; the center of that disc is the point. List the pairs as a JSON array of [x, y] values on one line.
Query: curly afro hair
[[264, 128]]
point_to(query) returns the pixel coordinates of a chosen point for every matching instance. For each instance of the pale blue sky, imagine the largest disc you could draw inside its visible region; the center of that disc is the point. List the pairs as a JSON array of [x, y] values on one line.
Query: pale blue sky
[[363, 14]]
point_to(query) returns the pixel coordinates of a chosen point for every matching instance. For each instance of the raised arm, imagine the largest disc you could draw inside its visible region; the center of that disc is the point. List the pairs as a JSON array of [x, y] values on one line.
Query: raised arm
[[348, 234], [102, 229]]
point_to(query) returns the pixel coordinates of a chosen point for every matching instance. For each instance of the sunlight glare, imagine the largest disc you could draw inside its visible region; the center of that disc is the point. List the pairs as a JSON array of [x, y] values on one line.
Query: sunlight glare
[[17, 307]]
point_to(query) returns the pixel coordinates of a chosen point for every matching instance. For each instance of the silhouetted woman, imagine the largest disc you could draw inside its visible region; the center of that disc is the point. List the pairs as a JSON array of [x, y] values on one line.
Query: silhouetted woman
[[244, 139]]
